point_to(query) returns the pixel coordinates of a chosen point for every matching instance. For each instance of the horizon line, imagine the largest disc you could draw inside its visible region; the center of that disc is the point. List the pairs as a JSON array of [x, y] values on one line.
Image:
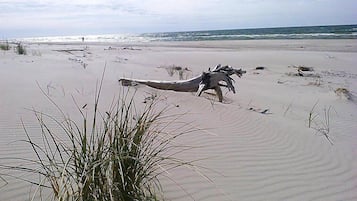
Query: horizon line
[[202, 30]]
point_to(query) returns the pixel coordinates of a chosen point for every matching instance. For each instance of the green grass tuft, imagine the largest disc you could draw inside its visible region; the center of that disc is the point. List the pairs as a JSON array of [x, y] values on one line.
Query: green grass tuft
[[20, 49], [5, 46], [117, 155]]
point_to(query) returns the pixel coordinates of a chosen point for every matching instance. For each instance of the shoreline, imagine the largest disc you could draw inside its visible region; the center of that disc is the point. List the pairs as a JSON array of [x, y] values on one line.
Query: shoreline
[[336, 45]]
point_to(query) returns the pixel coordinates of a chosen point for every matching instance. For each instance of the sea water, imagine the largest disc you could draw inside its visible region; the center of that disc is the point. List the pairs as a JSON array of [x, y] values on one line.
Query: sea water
[[305, 32]]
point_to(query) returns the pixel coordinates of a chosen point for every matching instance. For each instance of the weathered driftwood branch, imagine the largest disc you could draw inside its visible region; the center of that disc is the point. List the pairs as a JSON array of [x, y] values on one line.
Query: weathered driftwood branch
[[207, 80]]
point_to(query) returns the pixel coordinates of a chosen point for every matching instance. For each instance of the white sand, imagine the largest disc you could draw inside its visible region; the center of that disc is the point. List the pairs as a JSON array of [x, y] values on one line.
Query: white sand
[[249, 155]]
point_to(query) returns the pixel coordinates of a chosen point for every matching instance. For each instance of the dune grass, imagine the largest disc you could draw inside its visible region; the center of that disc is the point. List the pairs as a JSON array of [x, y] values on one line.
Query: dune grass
[[117, 155], [20, 49], [312, 115], [5, 46], [325, 125], [320, 124]]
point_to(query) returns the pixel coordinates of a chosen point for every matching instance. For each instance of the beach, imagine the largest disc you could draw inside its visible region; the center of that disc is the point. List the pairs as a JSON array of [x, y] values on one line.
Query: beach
[[286, 134]]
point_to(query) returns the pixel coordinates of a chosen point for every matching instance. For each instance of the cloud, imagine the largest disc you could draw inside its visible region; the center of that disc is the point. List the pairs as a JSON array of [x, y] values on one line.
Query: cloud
[[112, 16]]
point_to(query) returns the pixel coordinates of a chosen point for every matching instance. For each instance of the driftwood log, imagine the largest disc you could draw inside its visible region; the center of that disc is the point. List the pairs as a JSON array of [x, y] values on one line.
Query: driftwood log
[[219, 76]]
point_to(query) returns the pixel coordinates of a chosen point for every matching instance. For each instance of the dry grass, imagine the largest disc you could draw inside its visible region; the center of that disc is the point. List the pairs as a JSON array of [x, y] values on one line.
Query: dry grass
[[318, 82], [303, 71], [344, 93], [312, 115], [322, 125], [173, 69]]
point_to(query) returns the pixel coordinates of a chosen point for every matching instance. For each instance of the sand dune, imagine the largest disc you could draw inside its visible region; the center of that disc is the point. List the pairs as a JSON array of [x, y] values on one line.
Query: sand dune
[[256, 145]]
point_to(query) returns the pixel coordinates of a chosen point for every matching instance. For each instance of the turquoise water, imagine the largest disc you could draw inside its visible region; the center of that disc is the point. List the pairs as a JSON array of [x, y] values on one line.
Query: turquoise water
[[311, 32], [307, 32]]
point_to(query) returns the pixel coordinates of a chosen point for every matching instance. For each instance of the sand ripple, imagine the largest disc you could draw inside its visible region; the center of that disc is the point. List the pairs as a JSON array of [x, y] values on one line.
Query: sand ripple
[[258, 160]]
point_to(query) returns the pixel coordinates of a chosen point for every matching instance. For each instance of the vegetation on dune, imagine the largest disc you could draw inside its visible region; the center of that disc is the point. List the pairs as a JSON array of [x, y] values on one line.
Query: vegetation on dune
[[116, 155], [5, 46], [20, 49], [320, 124], [344, 93]]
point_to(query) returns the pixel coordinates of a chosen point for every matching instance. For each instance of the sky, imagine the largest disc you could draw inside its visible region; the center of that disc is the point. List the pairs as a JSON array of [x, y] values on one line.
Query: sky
[[32, 18]]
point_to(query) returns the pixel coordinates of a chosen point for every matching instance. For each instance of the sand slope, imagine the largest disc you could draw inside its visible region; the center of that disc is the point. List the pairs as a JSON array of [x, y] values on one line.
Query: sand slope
[[256, 145]]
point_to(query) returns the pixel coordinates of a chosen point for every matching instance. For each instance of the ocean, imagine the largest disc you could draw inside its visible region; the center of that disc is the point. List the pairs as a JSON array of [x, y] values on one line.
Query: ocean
[[305, 32]]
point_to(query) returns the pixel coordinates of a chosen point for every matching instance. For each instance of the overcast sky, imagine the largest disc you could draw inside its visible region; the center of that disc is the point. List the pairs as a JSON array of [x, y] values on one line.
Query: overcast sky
[[26, 18]]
